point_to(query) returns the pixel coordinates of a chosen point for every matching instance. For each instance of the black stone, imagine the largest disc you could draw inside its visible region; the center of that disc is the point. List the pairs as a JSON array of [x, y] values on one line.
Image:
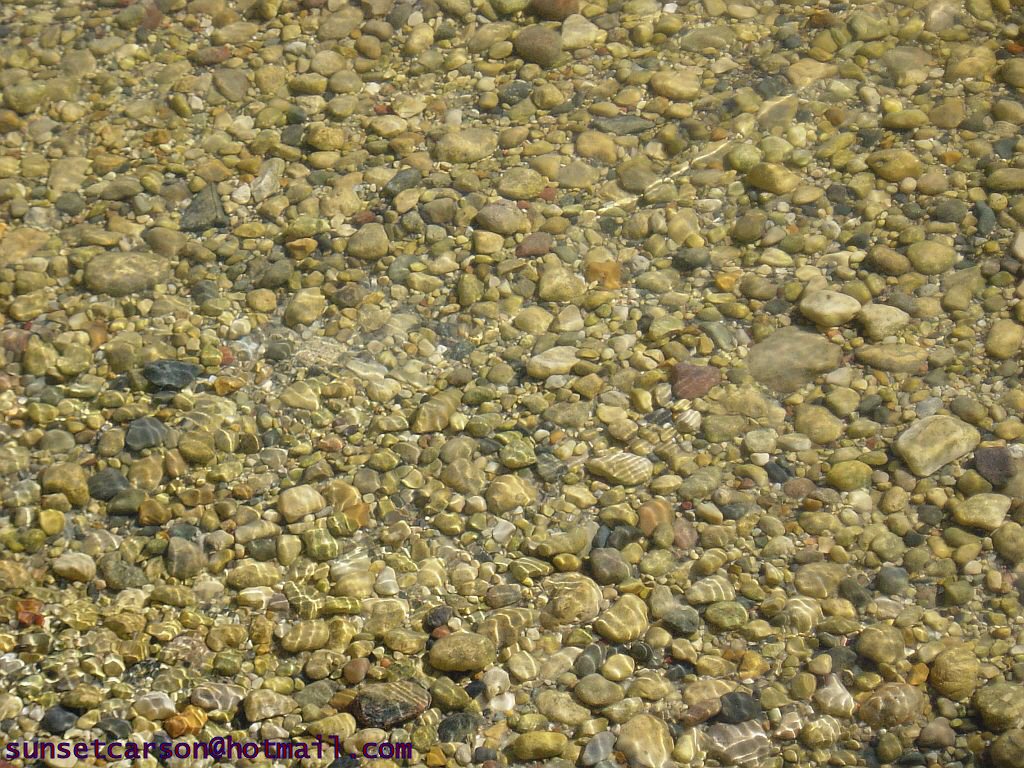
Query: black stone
[[292, 135], [515, 92], [608, 566], [772, 86], [950, 210], [120, 575], [184, 531], [738, 707], [588, 662], [317, 694], [204, 212], [57, 720], [279, 350], [869, 137], [1005, 148], [642, 653], [843, 658], [776, 472], [623, 125], [262, 550], [204, 290], [407, 178], [437, 617], [851, 589], [550, 468], [458, 727], [931, 515], [483, 754], [688, 259], [106, 484], [345, 761], [170, 374], [737, 510], [892, 580], [995, 464], [382, 705], [986, 218], [145, 432], [70, 203], [624, 535], [126, 502], [682, 621], [475, 688], [116, 727]]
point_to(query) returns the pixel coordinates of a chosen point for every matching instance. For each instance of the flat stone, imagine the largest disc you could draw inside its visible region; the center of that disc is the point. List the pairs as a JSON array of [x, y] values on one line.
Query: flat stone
[[466, 146], [829, 308], [170, 375], [1006, 180], [123, 273], [204, 212], [897, 357], [894, 164], [551, 362], [773, 178], [986, 511], [383, 705], [693, 381], [676, 84], [934, 441], [75, 566], [790, 358], [931, 258]]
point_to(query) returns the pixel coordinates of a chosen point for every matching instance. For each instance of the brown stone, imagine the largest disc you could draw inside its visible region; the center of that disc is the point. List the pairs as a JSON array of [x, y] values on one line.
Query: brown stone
[[693, 381]]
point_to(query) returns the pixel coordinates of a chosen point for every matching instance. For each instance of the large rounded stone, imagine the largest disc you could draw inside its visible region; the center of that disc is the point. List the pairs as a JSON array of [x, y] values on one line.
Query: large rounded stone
[[369, 243], [383, 705], [539, 745], [466, 146], [954, 673], [881, 643], [1000, 705], [295, 503], [624, 622], [539, 45], [829, 308], [645, 741], [894, 164], [462, 652]]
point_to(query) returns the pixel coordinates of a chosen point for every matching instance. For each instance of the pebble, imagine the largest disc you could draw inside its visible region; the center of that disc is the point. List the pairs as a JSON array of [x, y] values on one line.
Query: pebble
[[529, 380]]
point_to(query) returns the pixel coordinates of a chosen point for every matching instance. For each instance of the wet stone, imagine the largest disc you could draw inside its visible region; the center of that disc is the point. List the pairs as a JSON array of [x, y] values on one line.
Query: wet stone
[[145, 432], [383, 705], [58, 720], [462, 652], [737, 707], [459, 727], [170, 374], [106, 484], [204, 212], [693, 381]]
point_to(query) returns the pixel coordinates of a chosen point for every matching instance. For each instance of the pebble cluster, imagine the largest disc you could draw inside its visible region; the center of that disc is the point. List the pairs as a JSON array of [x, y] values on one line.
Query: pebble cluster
[[595, 382]]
